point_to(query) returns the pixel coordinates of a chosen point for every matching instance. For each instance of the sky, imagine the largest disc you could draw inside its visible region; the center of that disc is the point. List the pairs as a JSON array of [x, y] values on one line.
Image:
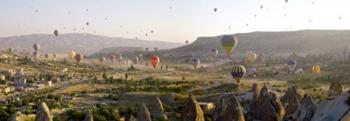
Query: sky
[[170, 20]]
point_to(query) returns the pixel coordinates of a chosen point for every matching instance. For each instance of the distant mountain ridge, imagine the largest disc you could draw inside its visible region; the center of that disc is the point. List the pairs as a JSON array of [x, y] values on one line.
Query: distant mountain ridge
[[80, 42], [271, 43]]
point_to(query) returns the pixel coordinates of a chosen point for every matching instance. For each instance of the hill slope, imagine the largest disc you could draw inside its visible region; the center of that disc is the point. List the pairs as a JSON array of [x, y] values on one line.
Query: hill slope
[[272, 43], [85, 43]]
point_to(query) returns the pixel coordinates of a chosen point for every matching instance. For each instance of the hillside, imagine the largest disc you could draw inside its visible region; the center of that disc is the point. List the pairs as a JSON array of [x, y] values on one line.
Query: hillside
[[84, 43], [272, 43]]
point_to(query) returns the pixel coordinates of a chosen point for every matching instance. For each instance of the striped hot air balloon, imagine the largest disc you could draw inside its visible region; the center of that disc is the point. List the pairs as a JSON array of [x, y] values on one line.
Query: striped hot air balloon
[[238, 72]]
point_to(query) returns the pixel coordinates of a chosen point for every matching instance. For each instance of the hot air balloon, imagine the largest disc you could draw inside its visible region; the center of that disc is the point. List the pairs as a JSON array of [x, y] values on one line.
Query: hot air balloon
[[78, 57], [140, 56], [46, 55], [36, 47], [120, 57], [195, 62], [35, 54], [229, 43], [55, 33], [72, 54], [251, 71], [10, 49], [186, 41], [136, 60], [316, 69], [54, 56], [238, 72], [112, 58], [154, 61], [215, 9], [87, 23], [2, 78], [251, 57], [292, 64], [214, 52], [102, 59]]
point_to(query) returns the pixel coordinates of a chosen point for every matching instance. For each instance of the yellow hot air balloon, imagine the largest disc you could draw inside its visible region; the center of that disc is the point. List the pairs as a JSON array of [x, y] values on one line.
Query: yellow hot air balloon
[[229, 43], [72, 54], [316, 69]]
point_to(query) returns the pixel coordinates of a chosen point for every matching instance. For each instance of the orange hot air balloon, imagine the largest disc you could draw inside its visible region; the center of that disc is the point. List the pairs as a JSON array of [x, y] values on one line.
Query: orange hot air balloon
[[154, 61]]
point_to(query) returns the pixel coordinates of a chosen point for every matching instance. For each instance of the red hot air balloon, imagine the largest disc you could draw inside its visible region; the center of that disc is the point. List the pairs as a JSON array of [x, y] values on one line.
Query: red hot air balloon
[[154, 61]]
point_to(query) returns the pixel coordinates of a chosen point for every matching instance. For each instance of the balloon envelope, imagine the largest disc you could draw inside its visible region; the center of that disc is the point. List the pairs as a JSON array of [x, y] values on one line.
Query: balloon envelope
[[55, 33], [316, 69], [112, 58], [102, 59], [72, 54], [238, 72], [214, 52], [195, 62], [251, 71], [78, 57], [251, 57], [292, 64], [36, 47], [154, 61], [228, 42]]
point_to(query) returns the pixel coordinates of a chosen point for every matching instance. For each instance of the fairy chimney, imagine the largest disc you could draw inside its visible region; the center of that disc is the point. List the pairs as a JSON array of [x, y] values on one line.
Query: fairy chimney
[[192, 111]]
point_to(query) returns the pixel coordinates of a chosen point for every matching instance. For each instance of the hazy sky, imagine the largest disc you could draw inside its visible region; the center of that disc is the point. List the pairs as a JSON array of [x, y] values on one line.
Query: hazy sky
[[171, 20]]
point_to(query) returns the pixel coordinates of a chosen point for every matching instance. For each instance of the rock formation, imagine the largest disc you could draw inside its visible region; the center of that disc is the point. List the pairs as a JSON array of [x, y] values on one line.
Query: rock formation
[[144, 114], [306, 110], [132, 118], [89, 116], [250, 95], [276, 103], [333, 110], [335, 89], [43, 113], [268, 108], [192, 111], [291, 100], [15, 116], [254, 102], [229, 110], [158, 111]]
